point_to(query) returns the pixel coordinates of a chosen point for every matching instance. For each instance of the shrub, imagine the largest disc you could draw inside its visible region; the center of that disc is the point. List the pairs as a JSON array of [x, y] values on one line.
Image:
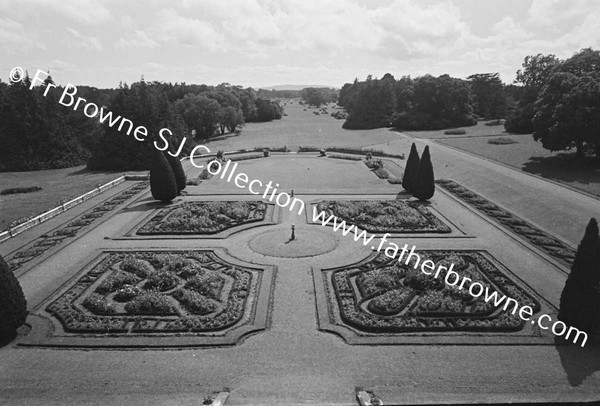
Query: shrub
[[204, 175], [308, 149], [394, 180], [161, 281], [246, 157], [162, 179], [150, 302], [16, 190], [580, 298], [494, 122], [424, 186], [374, 163], [98, 304], [455, 131], [193, 182], [178, 171], [13, 306], [381, 173], [265, 152], [349, 157], [220, 154], [194, 302], [126, 293], [410, 171], [502, 141]]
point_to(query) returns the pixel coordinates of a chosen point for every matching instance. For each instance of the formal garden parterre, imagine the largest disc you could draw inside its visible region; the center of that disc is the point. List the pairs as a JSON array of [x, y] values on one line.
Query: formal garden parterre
[[394, 302], [209, 217], [382, 216]]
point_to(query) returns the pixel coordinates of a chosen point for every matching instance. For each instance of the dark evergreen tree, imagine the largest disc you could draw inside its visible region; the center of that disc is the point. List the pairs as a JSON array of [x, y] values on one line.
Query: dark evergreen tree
[[410, 171], [180, 178], [162, 179], [13, 306], [580, 299], [424, 186]]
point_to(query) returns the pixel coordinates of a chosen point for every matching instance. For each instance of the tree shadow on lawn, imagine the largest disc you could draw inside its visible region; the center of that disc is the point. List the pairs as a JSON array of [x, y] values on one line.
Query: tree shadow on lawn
[[565, 167], [579, 363]]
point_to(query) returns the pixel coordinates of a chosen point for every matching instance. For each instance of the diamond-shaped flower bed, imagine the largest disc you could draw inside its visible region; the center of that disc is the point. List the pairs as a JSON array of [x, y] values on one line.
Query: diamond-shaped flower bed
[[193, 293], [385, 216], [385, 297], [204, 217]]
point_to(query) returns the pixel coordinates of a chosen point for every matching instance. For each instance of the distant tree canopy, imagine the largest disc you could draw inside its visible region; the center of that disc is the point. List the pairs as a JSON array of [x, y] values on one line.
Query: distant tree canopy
[[316, 96], [567, 110], [489, 100], [423, 103], [536, 71], [36, 132]]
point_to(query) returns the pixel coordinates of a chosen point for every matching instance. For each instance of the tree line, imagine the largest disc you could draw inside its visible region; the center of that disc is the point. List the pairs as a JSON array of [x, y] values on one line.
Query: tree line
[[37, 133], [556, 100]]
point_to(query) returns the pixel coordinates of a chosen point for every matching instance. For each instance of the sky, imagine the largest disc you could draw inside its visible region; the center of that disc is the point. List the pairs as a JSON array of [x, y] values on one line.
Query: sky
[[260, 43]]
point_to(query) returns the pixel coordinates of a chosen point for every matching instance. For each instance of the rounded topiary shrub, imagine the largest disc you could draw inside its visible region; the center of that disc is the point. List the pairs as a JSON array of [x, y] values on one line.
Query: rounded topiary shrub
[[162, 179], [580, 298], [13, 306], [424, 186], [178, 171], [410, 171]]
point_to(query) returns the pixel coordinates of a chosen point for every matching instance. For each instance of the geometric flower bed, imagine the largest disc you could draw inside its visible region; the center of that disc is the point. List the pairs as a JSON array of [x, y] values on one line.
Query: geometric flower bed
[[47, 241], [383, 216], [534, 235], [157, 292], [385, 296], [204, 217]]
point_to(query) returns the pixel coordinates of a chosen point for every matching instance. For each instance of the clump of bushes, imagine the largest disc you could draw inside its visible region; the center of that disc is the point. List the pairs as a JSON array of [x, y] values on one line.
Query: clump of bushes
[[204, 174], [348, 157], [17, 190], [98, 304], [580, 298], [340, 115], [150, 302], [246, 157], [502, 141], [13, 306], [455, 131], [394, 180], [194, 302], [374, 164]]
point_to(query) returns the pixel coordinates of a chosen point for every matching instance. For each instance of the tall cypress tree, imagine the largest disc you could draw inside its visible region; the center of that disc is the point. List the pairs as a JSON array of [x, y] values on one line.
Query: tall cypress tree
[[13, 306], [424, 186], [178, 171], [410, 171], [580, 298], [162, 179]]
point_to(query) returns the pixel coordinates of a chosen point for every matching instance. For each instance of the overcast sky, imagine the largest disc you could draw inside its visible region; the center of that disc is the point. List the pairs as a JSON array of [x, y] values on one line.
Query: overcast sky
[[262, 43]]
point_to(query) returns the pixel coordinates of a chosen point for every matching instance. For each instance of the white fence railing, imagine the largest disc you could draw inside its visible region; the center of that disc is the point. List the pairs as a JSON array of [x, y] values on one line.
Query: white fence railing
[[19, 228]]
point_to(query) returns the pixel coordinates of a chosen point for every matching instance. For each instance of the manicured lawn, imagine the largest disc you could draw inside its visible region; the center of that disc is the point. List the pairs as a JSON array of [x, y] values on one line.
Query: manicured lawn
[[56, 184], [529, 156]]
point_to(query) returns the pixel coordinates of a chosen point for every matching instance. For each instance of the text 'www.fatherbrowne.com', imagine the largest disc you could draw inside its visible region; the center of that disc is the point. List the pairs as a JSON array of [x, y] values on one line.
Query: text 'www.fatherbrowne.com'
[[451, 278]]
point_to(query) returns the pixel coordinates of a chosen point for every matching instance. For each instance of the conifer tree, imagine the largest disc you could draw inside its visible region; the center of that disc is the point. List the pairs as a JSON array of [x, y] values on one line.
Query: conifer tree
[[410, 171], [424, 186], [178, 171], [580, 298], [162, 179], [13, 306]]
